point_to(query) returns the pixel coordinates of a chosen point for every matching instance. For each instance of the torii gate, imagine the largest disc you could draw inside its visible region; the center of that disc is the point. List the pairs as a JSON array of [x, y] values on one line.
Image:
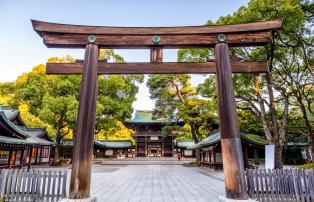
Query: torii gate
[[218, 37]]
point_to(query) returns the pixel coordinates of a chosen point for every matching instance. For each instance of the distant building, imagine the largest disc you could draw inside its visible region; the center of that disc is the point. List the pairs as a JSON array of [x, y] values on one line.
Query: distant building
[[113, 149], [148, 139], [211, 156], [20, 145], [182, 148]]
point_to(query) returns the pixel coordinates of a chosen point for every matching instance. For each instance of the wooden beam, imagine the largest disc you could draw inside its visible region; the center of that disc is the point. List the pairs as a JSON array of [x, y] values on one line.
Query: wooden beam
[[85, 126], [43, 27], [157, 68], [75, 36], [229, 128], [56, 40]]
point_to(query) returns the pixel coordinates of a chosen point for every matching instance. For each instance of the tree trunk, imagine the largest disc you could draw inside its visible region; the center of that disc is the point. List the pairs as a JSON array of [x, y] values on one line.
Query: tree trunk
[[277, 140], [56, 159], [307, 125], [194, 136], [278, 155]]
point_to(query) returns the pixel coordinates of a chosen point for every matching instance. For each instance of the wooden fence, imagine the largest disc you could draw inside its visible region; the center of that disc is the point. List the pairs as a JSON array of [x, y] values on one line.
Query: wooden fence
[[33, 185], [280, 184]]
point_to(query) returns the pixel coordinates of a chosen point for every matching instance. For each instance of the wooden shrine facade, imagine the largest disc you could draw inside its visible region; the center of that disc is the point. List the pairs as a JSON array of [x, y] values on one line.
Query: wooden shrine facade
[[19, 145], [219, 37], [102, 149], [149, 141], [211, 155]]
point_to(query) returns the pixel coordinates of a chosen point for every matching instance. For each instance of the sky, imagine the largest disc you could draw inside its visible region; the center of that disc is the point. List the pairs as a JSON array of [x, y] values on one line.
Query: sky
[[22, 48]]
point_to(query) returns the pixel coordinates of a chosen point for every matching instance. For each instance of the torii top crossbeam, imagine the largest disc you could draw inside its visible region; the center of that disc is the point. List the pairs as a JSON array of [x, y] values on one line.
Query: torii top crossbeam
[[75, 36]]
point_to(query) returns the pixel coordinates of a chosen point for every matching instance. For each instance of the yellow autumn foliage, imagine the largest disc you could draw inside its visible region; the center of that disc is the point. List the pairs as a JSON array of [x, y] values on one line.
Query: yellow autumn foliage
[[70, 134], [120, 132], [4, 100]]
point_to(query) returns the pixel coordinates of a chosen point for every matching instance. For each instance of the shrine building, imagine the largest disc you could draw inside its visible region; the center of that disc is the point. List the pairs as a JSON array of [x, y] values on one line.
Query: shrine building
[[149, 141], [20, 145]]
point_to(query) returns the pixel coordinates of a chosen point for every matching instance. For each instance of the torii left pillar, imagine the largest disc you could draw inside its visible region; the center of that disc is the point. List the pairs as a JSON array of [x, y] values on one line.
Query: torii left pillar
[[85, 125]]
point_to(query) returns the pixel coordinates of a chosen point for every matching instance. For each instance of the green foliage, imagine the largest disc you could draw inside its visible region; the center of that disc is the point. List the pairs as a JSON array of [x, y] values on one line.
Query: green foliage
[[306, 166], [176, 99], [52, 101], [257, 138], [181, 132], [290, 57], [292, 155]]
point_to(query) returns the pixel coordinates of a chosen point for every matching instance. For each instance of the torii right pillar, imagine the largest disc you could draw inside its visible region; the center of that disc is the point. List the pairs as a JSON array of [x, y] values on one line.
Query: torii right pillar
[[229, 129]]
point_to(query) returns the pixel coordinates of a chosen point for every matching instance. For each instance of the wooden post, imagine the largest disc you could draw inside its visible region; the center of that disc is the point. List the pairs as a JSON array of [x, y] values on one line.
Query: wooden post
[[230, 135], [136, 145], [245, 156], [30, 152], [40, 155], [156, 54], [49, 155], [85, 126], [36, 155], [22, 158], [146, 148], [11, 157]]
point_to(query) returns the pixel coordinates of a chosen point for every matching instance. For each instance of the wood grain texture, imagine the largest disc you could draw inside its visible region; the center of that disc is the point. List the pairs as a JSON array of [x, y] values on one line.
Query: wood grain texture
[[280, 184], [156, 54], [57, 40], [233, 168], [85, 126], [227, 107], [30, 149], [41, 27], [157, 68], [229, 128]]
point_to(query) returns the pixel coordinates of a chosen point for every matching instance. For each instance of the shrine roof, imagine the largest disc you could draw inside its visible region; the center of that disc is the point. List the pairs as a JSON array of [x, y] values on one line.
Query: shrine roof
[[215, 137], [20, 135], [114, 144], [34, 141], [145, 116], [10, 126], [184, 143], [12, 114]]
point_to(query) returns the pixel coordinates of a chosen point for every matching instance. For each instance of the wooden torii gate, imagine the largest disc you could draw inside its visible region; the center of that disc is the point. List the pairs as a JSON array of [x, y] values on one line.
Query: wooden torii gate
[[219, 37]]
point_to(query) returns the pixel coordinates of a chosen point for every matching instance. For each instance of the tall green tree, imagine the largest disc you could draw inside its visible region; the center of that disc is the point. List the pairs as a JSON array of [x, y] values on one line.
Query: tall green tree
[[176, 100], [54, 99], [269, 96]]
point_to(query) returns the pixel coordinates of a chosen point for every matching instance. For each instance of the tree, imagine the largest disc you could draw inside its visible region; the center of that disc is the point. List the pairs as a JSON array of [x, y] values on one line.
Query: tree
[[176, 100], [258, 93], [53, 100]]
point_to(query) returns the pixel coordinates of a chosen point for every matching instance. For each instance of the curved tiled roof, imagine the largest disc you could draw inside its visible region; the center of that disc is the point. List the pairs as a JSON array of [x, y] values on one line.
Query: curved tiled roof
[[12, 115], [145, 116], [9, 125], [216, 137], [114, 144], [184, 143], [21, 135]]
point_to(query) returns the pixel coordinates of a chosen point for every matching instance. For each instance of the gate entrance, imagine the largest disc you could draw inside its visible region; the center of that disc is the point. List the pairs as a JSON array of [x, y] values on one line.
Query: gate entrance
[[219, 37], [154, 149]]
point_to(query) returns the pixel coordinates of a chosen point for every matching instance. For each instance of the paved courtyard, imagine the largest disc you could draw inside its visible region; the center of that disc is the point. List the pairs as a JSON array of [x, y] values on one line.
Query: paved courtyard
[[154, 183]]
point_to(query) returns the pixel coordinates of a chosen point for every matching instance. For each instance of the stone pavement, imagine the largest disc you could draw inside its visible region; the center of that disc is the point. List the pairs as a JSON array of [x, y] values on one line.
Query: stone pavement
[[144, 160], [145, 183]]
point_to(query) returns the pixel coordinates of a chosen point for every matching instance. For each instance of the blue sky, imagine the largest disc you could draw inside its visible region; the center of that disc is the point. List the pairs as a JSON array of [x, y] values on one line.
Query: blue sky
[[22, 48]]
